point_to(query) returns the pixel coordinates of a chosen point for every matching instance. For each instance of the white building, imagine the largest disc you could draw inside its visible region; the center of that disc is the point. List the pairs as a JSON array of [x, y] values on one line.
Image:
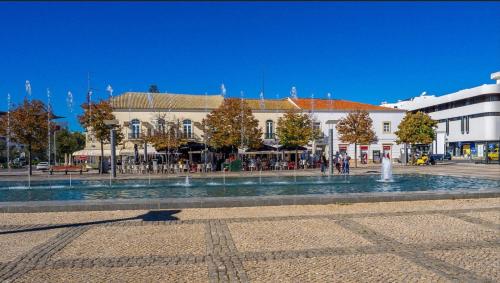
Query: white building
[[468, 120], [385, 123]]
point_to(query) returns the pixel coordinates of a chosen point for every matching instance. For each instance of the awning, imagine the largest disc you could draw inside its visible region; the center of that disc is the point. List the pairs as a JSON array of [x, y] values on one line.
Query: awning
[[263, 149], [130, 151], [193, 146], [260, 152], [292, 148], [92, 152]]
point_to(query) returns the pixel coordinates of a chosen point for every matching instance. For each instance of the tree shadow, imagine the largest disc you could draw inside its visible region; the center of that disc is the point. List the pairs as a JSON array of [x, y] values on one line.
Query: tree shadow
[[152, 215]]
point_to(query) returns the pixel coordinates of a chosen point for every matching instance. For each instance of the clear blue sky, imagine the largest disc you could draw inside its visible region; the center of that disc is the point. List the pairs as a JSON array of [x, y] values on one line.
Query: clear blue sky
[[367, 52]]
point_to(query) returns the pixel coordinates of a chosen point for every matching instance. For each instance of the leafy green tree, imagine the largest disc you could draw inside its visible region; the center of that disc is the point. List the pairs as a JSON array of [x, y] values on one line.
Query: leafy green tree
[[69, 142], [356, 128], [232, 125], [92, 119], [416, 128], [168, 136], [295, 129], [28, 126], [153, 89]]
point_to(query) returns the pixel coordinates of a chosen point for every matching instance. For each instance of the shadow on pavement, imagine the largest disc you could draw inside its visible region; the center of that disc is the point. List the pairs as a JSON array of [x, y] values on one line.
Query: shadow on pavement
[[152, 215]]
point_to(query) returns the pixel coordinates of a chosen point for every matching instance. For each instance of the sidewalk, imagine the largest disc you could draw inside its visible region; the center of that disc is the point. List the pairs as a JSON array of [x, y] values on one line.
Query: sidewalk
[[438, 241]]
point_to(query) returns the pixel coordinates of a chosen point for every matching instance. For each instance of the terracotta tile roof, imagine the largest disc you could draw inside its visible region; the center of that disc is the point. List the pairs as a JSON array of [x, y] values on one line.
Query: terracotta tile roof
[[270, 104], [337, 104], [139, 100]]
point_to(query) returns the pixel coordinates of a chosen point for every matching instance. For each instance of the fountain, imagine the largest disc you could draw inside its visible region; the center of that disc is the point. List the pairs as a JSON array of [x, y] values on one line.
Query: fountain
[[187, 183], [386, 175]]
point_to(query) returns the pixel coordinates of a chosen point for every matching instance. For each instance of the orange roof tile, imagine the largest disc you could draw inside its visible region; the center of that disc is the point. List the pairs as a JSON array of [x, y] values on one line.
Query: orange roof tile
[[336, 104], [270, 104]]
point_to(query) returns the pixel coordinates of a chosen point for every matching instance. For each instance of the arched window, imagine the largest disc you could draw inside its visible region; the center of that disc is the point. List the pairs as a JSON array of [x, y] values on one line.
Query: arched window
[[161, 125], [269, 129], [188, 128], [135, 129]]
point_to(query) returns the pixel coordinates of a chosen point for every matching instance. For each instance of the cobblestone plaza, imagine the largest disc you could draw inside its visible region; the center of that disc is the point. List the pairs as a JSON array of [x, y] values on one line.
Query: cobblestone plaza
[[441, 240]]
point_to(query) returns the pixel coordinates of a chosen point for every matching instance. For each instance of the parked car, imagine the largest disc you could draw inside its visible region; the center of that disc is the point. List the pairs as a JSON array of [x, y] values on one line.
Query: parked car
[[441, 157], [425, 159], [493, 155], [42, 166]]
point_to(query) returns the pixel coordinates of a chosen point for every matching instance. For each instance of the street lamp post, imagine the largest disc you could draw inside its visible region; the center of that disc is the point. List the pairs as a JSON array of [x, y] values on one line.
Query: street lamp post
[[331, 125], [56, 128], [111, 124]]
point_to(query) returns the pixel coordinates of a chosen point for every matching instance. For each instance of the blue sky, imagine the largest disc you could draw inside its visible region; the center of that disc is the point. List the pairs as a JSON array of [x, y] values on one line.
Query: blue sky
[[365, 51]]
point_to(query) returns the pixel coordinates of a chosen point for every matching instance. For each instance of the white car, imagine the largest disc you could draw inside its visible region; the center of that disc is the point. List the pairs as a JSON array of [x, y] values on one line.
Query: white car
[[42, 166]]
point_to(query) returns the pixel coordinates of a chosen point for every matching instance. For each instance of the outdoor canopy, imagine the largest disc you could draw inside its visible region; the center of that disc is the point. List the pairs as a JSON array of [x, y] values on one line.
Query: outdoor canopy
[[263, 149]]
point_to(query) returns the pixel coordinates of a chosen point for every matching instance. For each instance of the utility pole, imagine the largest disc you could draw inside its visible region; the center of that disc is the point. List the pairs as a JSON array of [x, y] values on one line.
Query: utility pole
[[49, 152], [8, 132]]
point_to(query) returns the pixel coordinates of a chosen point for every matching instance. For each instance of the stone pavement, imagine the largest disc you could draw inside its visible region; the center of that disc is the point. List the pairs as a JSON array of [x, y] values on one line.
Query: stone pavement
[[442, 240]]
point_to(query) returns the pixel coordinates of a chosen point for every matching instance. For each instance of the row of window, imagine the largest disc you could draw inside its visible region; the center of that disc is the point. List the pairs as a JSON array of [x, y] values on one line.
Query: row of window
[[187, 127], [465, 121], [461, 103], [464, 124], [135, 128]]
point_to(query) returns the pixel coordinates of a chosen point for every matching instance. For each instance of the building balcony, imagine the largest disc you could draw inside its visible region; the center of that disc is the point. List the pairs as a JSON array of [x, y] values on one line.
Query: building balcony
[[269, 136], [136, 136]]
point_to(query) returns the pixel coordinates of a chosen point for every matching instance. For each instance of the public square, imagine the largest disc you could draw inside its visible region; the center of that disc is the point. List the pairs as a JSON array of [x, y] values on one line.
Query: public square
[[439, 241], [239, 141]]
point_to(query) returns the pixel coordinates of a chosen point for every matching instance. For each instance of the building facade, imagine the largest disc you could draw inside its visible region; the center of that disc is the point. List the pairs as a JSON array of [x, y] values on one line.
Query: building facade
[[385, 123], [140, 114], [468, 120]]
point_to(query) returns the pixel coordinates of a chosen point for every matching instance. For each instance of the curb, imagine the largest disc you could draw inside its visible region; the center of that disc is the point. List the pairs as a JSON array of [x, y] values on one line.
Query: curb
[[213, 202]]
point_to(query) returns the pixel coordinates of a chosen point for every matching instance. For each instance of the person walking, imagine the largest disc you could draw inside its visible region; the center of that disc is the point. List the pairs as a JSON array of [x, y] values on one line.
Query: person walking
[[323, 164], [346, 163]]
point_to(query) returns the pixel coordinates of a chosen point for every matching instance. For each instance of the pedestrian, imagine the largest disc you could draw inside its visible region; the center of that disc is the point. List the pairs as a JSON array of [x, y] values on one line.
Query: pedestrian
[[323, 164], [337, 164], [346, 163]]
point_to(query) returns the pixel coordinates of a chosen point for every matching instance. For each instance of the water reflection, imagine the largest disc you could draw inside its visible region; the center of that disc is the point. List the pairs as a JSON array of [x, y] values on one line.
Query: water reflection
[[233, 187]]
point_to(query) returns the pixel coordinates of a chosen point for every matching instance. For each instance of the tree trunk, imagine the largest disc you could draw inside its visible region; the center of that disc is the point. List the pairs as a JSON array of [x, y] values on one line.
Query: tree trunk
[[356, 155], [166, 160], [296, 158], [29, 159], [101, 158]]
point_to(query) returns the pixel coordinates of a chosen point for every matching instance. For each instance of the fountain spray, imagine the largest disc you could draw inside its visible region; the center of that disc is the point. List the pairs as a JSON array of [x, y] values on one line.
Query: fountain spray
[[293, 93], [28, 89], [223, 90], [28, 92], [110, 90]]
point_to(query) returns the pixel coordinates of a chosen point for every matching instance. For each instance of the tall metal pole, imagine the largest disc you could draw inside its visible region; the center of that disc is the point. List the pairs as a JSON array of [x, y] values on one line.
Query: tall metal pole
[[8, 131], [48, 124], [330, 151], [55, 151], [113, 153]]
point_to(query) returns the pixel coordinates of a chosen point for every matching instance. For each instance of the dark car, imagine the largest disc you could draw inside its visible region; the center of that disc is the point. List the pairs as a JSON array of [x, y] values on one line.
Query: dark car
[[440, 157]]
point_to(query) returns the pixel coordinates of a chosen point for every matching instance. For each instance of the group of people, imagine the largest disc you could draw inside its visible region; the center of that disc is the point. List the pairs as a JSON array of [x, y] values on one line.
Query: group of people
[[340, 161]]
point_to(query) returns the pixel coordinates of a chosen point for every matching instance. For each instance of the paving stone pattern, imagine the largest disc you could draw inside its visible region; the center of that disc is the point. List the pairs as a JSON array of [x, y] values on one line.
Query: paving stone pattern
[[407, 246]]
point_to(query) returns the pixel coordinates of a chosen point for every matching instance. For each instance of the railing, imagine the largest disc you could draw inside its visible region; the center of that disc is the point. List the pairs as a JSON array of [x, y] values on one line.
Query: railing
[[135, 136], [269, 136]]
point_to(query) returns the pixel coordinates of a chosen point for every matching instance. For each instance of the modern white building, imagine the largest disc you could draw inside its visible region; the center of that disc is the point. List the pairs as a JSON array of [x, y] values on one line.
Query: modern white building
[[468, 120]]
